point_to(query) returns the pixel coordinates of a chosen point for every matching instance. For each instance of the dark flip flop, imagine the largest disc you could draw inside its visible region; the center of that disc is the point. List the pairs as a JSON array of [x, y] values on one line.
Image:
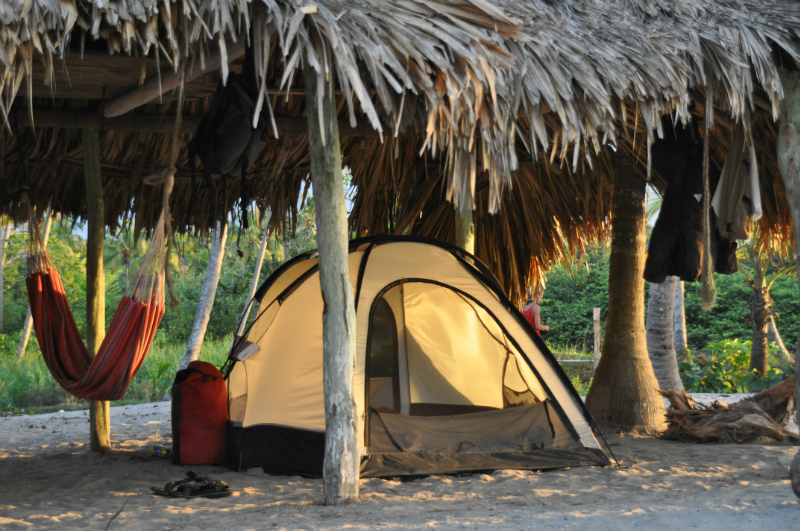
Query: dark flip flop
[[196, 485]]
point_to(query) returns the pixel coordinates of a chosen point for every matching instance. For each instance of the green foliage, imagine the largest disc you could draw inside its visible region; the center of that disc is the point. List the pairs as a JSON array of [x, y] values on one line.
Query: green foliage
[[28, 384], [726, 370], [730, 317], [581, 386], [571, 295]]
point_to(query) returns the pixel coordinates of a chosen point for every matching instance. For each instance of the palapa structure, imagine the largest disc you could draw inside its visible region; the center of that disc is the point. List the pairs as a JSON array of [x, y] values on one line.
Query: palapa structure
[[511, 108], [502, 107]]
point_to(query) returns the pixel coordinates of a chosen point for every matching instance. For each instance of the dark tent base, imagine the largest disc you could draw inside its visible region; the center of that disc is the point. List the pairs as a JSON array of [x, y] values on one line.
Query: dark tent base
[[404, 464], [529, 437], [281, 450]]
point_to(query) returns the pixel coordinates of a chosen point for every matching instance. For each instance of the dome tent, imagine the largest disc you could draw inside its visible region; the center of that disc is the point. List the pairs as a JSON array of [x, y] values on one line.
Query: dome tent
[[449, 377]]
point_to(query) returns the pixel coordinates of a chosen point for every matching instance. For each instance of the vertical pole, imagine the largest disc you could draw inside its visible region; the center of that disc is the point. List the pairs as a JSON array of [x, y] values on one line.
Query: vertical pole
[[99, 414], [789, 164], [465, 230], [596, 326], [341, 469]]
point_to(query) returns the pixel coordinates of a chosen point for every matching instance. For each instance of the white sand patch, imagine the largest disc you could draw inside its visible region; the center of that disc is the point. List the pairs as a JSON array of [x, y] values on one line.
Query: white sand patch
[[49, 480]]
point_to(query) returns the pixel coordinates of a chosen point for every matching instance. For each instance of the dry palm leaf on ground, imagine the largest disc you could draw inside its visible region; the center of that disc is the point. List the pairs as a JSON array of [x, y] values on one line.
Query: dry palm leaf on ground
[[762, 415]]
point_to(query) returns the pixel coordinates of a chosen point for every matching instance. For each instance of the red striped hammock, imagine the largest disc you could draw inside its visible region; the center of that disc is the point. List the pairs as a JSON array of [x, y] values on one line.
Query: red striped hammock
[[129, 337]]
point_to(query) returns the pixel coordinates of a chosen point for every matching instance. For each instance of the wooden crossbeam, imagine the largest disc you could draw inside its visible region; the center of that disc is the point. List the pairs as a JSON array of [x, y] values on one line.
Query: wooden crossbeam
[[153, 123], [168, 81]]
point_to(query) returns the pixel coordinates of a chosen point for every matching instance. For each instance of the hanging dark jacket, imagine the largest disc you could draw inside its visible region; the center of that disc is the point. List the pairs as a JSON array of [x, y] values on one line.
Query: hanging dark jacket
[[676, 244]]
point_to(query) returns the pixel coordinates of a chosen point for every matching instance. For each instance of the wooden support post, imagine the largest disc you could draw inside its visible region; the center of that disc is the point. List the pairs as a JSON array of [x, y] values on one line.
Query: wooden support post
[[465, 230], [789, 164], [341, 469], [99, 418], [596, 327]]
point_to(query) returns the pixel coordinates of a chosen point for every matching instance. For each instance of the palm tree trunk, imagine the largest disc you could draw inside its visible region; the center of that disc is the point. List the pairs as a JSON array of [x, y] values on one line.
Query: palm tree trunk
[[681, 349], [340, 470], [789, 165], [759, 317], [256, 273], [775, 337], [661, 334], [207, 294], [624, 393], [28, 324]]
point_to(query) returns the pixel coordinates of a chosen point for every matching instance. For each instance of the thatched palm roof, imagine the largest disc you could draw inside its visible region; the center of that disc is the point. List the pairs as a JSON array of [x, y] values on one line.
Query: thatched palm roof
[[503, 105]]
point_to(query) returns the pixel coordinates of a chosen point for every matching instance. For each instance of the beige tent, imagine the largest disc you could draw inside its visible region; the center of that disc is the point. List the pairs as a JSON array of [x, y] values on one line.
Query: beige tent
[[449, 377]]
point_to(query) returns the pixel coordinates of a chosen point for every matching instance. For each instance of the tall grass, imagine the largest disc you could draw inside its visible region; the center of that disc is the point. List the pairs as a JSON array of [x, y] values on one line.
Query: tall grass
[[580, 374], [29, 385]]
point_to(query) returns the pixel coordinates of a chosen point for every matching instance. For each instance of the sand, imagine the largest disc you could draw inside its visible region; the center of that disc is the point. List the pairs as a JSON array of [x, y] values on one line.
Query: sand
[[49, 480]]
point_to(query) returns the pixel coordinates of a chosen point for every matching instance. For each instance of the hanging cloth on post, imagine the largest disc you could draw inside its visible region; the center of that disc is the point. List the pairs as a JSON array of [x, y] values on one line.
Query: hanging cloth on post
[[737, 199], [129, 337]]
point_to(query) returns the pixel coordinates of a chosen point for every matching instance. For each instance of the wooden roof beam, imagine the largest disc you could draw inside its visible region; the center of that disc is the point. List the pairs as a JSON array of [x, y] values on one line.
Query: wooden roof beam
[[155, 123], [169, 81]]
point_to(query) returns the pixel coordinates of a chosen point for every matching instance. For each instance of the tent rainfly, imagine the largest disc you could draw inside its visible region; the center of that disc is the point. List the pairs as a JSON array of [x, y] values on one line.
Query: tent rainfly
[[449, 376]]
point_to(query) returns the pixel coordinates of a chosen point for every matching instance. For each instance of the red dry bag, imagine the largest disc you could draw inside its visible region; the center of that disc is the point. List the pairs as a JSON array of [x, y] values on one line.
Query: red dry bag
[[199, 415]]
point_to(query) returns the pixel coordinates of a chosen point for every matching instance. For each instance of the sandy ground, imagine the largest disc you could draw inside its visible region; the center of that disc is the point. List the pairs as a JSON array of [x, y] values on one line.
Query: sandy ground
[[49, 480]]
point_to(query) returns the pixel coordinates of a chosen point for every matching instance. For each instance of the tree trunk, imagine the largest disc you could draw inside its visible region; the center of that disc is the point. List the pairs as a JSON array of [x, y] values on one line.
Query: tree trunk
[[681, 350], [759, 317], [341, 469], [596, 343], [127, 273], [624, 395], [465, 230], [207, 294], [789, 165], [775, 337], [2, 267], [661, 334], [256, 273], [28, 324], [99, 413], [285, 240]]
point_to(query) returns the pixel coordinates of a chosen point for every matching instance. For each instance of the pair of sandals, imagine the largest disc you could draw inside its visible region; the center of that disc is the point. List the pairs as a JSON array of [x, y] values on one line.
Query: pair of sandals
[[196, 485]]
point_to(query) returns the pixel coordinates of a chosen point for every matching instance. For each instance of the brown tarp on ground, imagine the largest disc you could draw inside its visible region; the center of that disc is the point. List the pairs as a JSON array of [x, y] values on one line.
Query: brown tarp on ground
[[525, 437]]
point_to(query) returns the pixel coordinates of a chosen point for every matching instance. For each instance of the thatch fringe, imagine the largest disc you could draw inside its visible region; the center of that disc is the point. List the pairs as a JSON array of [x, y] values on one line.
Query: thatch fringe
[[471, 98]]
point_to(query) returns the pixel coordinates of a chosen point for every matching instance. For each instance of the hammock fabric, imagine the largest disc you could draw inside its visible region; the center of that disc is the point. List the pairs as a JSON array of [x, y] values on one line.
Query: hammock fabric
[[129, 337]]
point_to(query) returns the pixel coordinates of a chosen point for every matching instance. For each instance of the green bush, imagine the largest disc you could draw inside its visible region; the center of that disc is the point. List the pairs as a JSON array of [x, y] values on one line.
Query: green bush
[[28, 384], [569, 298], [726, 370]]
